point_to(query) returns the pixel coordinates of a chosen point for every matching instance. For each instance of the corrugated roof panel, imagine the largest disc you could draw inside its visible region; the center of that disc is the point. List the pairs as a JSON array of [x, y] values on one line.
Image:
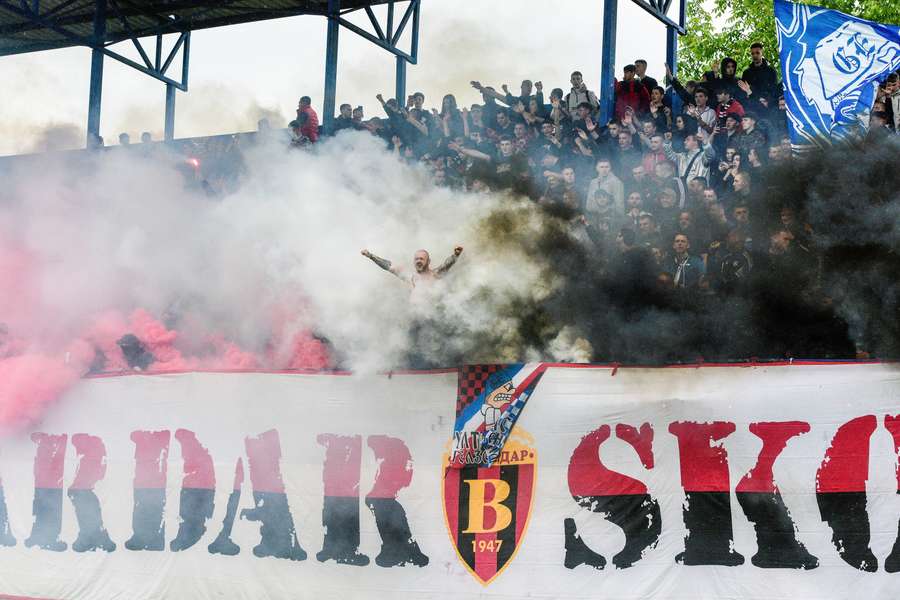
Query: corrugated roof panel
[[20, 32]]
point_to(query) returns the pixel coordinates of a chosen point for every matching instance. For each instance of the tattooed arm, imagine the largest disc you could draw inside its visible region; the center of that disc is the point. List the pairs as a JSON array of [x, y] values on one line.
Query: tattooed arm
[[451, 260], [385, 264]]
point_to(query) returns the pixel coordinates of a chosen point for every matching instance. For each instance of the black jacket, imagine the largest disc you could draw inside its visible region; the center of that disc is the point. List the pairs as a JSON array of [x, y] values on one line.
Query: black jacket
[[763, 80]]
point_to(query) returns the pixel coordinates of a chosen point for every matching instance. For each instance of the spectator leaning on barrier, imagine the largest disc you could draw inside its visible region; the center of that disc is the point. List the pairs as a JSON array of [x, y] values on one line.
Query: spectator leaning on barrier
[[307, 123]]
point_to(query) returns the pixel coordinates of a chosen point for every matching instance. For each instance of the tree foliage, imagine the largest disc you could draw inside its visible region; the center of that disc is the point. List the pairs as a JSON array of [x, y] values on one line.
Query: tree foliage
[[749, 21]]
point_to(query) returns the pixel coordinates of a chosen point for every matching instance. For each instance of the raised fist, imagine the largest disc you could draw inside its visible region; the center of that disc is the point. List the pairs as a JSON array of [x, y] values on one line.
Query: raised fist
[[458, 250]]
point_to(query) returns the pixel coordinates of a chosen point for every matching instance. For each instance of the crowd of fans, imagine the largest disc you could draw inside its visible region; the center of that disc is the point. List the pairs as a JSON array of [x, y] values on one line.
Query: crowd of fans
[[675, 189], [669, 180]]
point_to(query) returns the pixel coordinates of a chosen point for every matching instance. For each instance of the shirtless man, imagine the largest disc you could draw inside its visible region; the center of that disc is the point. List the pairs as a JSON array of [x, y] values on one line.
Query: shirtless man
[[421, 262]]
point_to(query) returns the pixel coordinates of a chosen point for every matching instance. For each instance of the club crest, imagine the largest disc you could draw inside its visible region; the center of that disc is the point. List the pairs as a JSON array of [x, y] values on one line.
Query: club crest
[[487, 508]]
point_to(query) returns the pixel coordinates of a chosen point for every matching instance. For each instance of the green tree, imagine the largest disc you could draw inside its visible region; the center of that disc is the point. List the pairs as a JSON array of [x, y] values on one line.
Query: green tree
[[749, 21]]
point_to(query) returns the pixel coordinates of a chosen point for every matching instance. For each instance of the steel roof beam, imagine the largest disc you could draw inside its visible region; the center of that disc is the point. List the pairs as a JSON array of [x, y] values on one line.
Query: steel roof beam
[[658, 10], [389, 40]]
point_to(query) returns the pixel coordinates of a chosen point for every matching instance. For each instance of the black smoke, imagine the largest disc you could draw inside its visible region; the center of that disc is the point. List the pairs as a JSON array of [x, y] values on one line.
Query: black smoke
[[842, 302]]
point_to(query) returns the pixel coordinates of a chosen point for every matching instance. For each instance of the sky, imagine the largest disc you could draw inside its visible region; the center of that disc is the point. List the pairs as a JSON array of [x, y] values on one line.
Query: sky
[[242, 73]]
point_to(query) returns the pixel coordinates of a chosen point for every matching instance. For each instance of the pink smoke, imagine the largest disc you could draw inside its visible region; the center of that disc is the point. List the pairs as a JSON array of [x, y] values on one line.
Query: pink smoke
[[38, 365], [29, 384]]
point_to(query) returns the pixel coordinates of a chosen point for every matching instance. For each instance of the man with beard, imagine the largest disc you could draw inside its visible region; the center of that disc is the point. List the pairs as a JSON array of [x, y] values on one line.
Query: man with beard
[[425, 323], [424, 275]]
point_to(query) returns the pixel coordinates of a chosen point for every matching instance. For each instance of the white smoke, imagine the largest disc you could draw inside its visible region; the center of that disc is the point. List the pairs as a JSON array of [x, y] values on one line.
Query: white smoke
[[120, 231]]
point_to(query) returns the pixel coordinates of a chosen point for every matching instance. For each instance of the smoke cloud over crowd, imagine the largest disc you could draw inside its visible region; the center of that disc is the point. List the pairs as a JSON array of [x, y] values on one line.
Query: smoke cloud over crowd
[[113, 262]]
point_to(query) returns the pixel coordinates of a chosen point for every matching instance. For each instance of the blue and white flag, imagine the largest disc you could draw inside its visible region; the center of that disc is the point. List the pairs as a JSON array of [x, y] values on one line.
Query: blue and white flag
[[831, 64]]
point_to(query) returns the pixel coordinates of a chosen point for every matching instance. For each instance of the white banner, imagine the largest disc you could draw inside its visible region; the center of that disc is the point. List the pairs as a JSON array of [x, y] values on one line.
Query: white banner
[[752, 482]]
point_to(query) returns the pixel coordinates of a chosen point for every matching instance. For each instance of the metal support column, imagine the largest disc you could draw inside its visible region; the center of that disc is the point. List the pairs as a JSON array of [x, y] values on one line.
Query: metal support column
[[96, 90], [608, 61], [169, 131], [672, 61], [401, 81], [331, 58]]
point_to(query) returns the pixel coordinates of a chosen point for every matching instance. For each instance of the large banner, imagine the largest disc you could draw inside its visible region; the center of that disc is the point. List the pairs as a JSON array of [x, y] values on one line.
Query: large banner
[[749, 482], [831, 64]]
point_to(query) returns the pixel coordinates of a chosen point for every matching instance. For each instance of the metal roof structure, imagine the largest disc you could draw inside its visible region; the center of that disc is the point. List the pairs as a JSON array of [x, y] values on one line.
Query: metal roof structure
[[33, 25]]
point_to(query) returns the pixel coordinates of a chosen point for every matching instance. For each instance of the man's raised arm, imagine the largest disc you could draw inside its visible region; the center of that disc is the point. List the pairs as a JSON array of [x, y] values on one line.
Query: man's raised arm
[[382, 262], [489, 92], [449, 262]]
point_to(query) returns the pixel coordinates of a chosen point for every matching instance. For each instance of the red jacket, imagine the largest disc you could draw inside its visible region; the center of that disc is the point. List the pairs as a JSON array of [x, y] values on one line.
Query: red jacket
[[631, 93], [311, 128], [733, 106]]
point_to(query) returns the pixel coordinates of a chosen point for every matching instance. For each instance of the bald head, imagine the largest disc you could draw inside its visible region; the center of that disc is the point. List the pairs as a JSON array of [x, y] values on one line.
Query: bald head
[[421, 260]]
